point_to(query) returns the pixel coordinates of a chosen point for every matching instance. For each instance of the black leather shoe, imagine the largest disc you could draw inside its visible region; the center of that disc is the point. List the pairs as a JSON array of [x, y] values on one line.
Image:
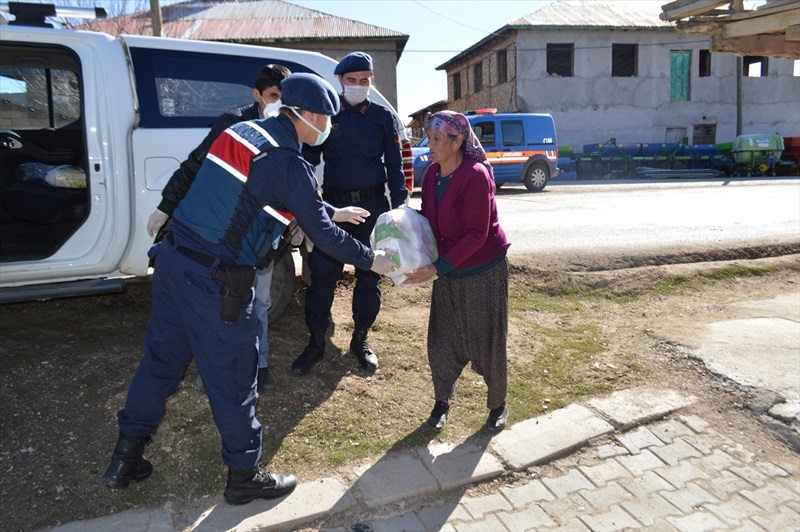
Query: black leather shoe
[[438, 417], [127, 463], [313, 353], [255, 483], [266, 383], [361, 350], [497, 418]]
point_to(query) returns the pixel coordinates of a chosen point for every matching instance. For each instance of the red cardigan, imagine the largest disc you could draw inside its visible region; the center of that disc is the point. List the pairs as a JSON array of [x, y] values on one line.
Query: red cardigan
[[465, 221]]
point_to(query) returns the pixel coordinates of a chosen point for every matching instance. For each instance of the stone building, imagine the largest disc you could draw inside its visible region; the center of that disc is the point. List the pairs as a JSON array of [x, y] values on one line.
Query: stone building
[[614, 69]]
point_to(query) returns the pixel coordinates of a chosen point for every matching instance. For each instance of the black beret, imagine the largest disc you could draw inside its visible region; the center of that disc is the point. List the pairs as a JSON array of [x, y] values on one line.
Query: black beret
[[310, 93], [354, 62]]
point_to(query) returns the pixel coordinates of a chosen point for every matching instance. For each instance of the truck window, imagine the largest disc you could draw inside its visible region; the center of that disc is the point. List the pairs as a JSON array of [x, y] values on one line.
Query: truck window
[[178, 89], [38, 98]]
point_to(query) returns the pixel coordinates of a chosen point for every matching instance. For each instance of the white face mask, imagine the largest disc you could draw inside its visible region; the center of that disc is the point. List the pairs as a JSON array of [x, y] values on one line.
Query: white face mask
[[272, 109], [356, 94], [322, 136]]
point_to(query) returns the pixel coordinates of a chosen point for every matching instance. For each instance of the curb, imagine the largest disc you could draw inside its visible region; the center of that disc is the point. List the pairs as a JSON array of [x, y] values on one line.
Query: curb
[[434, 470]]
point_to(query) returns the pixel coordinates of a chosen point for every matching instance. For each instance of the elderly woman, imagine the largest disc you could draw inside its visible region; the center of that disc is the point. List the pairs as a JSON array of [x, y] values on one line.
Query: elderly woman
[[469, 304]]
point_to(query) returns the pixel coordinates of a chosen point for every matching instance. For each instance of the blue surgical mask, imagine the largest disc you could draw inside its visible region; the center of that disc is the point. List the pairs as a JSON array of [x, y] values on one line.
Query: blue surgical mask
[[322, 136]]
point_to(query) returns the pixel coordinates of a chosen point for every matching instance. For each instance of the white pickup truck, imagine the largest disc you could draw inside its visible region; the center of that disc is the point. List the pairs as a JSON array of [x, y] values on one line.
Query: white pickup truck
[[91, 129]]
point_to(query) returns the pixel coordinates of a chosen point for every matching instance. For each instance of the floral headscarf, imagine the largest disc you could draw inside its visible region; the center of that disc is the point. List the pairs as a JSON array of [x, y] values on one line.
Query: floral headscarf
[[452, 123]]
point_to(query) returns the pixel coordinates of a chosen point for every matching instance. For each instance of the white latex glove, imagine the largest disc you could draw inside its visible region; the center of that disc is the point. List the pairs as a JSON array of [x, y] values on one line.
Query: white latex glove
[[156, 220], [350, 214], [382, 264], [295, 233]]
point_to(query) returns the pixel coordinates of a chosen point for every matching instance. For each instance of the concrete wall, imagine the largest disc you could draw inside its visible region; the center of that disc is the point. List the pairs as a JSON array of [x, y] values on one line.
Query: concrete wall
[[384, 60], [593, 107]]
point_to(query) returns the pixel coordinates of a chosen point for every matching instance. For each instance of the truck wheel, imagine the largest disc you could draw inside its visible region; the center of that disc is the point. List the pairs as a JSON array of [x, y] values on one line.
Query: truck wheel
[[282, 288], [536, 177]]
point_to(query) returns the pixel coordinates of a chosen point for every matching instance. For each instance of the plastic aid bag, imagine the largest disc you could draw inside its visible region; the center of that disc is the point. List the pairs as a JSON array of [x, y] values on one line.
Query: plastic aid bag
[[406, 236]]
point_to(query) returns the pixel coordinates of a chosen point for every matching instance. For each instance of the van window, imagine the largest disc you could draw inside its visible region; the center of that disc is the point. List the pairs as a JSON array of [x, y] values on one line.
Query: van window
[[513, 133], [178, 89], [485, 133]]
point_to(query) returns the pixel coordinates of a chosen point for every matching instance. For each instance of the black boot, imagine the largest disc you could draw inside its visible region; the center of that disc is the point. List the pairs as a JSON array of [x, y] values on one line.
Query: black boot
[[438, 417], [127, 462], [245, 485], [312, 354], [360, 348]]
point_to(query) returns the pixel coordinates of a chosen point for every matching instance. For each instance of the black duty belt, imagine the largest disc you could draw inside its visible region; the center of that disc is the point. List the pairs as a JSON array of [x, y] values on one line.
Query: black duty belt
[[354, 196], [200, 258]]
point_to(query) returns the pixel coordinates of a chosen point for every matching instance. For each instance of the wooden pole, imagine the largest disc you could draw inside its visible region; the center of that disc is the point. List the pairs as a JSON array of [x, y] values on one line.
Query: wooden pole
[[155, 14]]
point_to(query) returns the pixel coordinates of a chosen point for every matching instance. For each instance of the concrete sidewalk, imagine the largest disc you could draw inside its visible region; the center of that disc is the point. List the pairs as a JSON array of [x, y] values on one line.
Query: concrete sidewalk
[[663, 471], [651, 466]]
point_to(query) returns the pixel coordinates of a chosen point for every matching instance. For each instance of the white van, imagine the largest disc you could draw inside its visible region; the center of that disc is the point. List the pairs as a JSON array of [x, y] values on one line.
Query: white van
[[91, 129]]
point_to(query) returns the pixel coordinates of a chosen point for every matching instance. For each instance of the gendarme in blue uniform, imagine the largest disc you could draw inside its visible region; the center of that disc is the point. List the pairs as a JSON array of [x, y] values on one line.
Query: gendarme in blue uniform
[[250, 166], [362, 155]]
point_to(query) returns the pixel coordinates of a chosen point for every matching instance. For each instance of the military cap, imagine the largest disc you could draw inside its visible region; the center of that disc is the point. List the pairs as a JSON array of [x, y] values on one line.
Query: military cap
[[354, 62], [310, 93]]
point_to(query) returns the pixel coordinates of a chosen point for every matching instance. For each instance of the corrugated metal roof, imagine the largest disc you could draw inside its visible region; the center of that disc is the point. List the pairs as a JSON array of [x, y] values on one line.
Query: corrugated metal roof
[[255, 20], [594, 13]]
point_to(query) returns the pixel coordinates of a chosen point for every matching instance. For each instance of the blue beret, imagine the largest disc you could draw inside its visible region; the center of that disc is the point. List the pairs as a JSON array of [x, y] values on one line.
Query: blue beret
[[310, 93], [354, 62]]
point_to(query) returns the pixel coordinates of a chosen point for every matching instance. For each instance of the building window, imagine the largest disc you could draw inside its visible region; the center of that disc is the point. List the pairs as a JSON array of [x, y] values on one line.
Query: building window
[[680, 75], [478, 77], [754, 66], [704, 134], [704, 66], [560, 59], [623, 60], [457, 86], [502, 66], [675, 135]]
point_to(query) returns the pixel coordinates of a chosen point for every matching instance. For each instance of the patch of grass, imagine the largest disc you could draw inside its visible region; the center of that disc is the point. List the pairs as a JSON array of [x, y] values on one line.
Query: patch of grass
[[732, 272], [557, 373], [523, 298], [675, 284]]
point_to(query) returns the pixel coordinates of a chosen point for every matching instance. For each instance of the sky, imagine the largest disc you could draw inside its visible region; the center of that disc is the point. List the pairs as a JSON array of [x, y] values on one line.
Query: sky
[[438, 30]]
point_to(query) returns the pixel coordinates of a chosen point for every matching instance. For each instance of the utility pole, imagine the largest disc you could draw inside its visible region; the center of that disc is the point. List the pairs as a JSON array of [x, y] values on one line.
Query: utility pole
[[155, 14]]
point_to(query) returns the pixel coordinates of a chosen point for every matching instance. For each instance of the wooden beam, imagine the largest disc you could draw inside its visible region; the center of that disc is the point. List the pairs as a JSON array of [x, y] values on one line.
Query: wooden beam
[[693, 27], [688, 8], [774, 23], [793, 33], [767, 45]]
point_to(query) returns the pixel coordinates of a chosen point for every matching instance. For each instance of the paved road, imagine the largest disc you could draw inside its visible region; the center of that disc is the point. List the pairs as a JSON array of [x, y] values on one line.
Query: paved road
[[574, 216]]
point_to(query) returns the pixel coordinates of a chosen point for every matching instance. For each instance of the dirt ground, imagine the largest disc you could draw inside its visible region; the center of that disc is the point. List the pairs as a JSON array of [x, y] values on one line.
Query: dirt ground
[[65, 366]]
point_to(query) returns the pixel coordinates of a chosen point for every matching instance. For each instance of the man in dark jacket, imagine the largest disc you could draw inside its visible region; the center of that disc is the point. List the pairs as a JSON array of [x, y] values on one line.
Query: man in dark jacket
[[267, 101], [362, 160]]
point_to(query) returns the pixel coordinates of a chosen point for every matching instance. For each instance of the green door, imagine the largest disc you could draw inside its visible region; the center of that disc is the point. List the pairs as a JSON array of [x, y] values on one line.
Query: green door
[[681, 75]]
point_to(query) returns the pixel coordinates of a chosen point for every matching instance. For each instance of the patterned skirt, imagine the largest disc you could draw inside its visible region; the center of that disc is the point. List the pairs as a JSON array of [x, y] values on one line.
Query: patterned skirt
[[469, 323]]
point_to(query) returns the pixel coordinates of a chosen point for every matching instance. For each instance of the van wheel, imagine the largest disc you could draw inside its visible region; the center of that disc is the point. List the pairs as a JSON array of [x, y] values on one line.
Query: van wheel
[[282, 288], [536, 177]]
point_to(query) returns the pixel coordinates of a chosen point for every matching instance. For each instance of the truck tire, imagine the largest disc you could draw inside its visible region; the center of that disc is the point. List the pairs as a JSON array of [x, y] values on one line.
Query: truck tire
[[536, 176], [282, 288]]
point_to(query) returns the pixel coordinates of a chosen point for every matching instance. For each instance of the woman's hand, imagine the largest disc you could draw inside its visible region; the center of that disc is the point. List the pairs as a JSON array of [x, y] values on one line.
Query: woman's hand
[[420, 275], [353, 215]]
